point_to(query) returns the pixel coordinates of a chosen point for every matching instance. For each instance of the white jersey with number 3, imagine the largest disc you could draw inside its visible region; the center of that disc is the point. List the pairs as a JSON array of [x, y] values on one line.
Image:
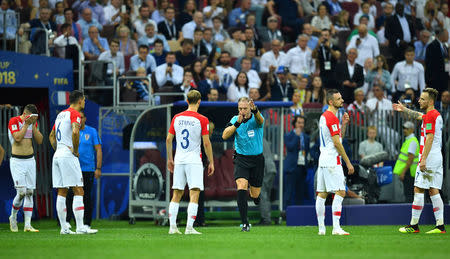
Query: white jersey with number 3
[[188, 128], [63, 131]]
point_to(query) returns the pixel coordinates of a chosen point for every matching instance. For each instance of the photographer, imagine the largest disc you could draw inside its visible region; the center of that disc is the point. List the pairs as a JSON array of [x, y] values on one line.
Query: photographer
[[409, 99], [327, 54]]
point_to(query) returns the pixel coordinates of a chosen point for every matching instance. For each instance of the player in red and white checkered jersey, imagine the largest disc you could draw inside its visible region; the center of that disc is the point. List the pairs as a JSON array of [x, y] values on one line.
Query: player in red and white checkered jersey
[[330, 175], [429, 174], [21, 130], [66, 170]]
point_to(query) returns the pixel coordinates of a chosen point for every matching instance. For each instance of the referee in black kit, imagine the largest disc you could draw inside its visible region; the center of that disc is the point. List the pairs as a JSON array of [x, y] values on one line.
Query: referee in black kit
[[248, 128]]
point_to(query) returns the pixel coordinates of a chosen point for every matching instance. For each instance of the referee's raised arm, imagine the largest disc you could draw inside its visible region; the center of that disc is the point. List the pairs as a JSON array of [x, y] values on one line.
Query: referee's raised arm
[[231, 129]]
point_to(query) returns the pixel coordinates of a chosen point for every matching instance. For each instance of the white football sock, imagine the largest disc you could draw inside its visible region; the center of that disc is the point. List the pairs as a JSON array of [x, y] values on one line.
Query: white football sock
[[61, 210], [173, 212], [28, 209], [320, 211], [78, 210], [192, 214], [438, 208], [337, 208], [417, 207], [17, 203]]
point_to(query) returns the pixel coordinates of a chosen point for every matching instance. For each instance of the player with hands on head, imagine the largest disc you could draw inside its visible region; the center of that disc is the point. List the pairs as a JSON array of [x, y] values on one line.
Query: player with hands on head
[[429, 174], [21, 130], [330, 175], [189, 128]]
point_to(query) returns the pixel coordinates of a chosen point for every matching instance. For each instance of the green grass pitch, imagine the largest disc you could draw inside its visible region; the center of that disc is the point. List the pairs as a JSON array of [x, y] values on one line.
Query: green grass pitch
[[118, 239]]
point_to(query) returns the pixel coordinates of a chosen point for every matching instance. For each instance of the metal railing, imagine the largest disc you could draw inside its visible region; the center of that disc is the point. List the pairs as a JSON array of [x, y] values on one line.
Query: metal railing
[[46, 42], [81, 78]]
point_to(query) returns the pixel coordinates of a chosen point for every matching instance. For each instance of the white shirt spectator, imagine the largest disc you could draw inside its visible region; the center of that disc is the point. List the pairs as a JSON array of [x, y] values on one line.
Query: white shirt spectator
[[139, 24], [234, 93], [118, 59], [300, 61], [217, 12], [61, 42], [370, 25], [268, 59], [420, 7], [380, 36], [408, 76], [320, 23], [368, 48], [236, 49], [259, 2], [109, 12], [253, 79], [383, 104], [188, 30], [161, 77], [226, 75]]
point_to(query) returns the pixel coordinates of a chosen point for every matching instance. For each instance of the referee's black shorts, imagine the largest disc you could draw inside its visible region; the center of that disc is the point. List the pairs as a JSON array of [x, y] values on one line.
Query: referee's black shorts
[[250, 168]]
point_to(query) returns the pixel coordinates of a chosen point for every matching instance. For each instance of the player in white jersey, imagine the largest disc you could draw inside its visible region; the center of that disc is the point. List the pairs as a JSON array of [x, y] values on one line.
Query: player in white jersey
[[189, 128], [429, 174], [66, 170], [330, 176], [21, 130]]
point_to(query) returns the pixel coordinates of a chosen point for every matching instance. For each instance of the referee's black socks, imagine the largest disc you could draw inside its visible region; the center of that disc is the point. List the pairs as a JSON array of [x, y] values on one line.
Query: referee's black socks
[[242, 205]]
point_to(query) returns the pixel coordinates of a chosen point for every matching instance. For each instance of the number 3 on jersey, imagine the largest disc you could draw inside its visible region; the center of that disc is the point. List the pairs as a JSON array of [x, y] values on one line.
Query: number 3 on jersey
[[58, 132], [185, 141]]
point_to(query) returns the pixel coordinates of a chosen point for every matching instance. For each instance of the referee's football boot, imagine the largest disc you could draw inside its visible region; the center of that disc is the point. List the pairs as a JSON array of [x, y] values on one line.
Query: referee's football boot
[[246, 227], [437, 230], [409, 229]]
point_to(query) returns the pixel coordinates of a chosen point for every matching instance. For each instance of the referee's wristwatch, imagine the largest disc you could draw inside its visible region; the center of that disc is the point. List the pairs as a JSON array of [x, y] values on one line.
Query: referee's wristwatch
[[255, 111]]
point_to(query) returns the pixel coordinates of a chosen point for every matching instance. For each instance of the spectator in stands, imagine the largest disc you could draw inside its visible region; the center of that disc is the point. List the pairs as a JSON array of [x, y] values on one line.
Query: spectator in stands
[[158, 14], [253, 78], [366, 44], [250, 22], [169, 73], [209, 41], [239, 88], [58, 16], [141, 22], [291, 13], [379, 103], [141, 85], [212, 10], [365, 10], [313, 40], [436, 62], [64, 40], [444, 12], [296, 108], [357, 108], [115, 56], [295, 163], [271, 60], [235, 47], [420, 46], [258, 7], [226, 73], [410, 100], [342, 23], [112, 12], [220, 35], [350, 75], [94, 45], [250, 54], [333, 6], [282, 85], [197, 71], [159, 53], [187, 14], [128, 46], [310, 7], [316, 93], [388, 10], [444, 106], [363, 20], [76, 28], [97, 9], [433, 19], [237, 16], [210, 81], [327, 54], [37, 35], [169, 27], [301, 89], [35, 11], [251, 42], [253, 93], [213, 95], [188, 83], [271, 32], [199, 48], [197, 23], [408, 74], [10, 20], [151, 36], [370, 146], [143, 59], [185, 57], [379, 75], [399, 31], [299, 59], [322, 21], [87, 21]]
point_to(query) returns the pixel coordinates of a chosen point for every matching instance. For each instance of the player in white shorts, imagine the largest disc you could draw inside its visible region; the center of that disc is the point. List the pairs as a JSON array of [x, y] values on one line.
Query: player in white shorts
[[66, 170], [429, 174], [21, 130], [189, 128], [330, 176]]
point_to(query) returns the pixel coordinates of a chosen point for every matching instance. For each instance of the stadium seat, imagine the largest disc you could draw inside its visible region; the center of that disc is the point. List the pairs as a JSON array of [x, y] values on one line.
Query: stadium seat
[[127, 61]]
